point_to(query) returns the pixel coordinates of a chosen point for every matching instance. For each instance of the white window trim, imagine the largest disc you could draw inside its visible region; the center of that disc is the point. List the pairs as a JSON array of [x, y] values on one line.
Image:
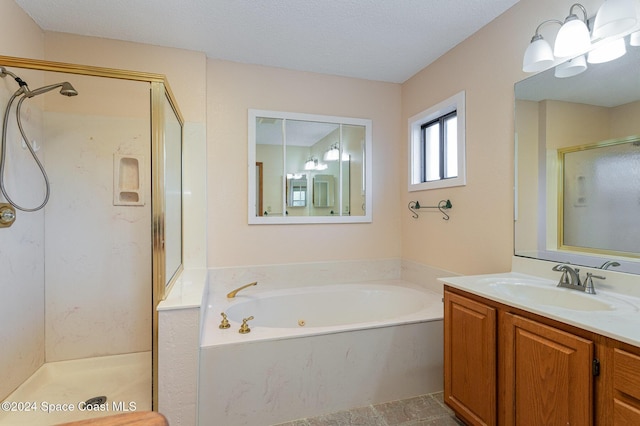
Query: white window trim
[[456, 102]]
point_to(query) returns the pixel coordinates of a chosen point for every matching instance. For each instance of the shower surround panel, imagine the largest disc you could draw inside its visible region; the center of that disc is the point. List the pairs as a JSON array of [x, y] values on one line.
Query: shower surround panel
[[98, 284], [22, 256]]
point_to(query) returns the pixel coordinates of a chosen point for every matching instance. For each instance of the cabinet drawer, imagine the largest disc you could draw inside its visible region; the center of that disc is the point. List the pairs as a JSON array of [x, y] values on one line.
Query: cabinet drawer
[[625, 377], [625, 414]]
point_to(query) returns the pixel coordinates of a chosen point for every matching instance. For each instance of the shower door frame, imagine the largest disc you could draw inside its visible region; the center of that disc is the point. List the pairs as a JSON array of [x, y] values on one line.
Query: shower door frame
[[159, 90]]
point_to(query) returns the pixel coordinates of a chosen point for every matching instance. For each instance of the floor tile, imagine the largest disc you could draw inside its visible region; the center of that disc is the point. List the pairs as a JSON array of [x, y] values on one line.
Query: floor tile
[[419, 408], [423, 410], [363, 416]]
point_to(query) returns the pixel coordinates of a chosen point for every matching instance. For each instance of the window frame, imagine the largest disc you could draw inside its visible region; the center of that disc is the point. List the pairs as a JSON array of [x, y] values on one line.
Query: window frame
[[416, 124]]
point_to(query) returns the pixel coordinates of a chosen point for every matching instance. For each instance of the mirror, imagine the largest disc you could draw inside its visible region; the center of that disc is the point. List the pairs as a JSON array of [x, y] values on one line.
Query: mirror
[[308, 168], [578, 165]]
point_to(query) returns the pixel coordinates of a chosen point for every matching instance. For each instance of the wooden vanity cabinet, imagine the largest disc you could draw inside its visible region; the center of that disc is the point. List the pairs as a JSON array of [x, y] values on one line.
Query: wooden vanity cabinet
[[544, 375], [470, 359]]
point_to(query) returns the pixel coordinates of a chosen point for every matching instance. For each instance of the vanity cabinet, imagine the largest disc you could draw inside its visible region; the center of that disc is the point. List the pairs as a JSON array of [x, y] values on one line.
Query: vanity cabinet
[[505, 367], [547, 374], [470, 359]]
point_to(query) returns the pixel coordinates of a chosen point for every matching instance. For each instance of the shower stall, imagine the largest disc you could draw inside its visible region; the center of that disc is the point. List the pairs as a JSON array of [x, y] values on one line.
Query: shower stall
[[90, 237]]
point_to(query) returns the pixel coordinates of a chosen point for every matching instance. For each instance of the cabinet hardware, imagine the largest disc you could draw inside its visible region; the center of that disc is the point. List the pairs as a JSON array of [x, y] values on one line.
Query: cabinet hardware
[[595, 367]]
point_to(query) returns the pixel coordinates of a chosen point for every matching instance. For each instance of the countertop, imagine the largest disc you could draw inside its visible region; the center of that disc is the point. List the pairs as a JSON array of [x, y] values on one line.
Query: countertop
[[622, 323]]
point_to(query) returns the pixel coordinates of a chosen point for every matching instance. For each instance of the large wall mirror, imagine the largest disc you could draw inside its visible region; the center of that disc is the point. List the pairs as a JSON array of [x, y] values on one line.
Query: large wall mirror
[[578, 165], [308, 168]]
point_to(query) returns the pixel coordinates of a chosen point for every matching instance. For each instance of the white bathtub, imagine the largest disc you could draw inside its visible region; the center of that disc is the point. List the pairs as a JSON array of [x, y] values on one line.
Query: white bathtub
[[314, 350]]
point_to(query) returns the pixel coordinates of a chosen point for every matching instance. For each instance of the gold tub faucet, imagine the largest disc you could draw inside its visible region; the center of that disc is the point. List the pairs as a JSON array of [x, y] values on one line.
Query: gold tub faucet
[[233, 293]]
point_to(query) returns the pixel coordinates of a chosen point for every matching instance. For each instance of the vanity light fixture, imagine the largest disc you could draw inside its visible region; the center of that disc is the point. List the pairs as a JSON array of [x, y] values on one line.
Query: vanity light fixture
[[332, 154], [614, 17], [573, 40], [607, 51], [571, 67], [539, 55], [573, 36], [313, 164]]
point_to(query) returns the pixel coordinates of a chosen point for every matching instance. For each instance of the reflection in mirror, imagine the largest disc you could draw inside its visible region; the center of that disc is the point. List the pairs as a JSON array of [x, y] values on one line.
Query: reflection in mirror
[[323, 191], [308, 168], [297, 191], [600, 184], [589, 124]]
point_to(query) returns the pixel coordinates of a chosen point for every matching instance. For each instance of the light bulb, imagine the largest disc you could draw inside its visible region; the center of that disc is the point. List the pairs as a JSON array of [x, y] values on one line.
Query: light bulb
[[573, 38], [538, 55]]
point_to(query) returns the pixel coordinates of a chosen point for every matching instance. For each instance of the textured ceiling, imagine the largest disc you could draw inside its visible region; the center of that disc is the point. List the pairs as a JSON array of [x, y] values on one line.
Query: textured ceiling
[[385, 40]]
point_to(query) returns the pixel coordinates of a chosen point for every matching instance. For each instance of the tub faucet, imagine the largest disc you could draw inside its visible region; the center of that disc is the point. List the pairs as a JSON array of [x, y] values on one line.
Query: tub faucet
[[233, 293], [570, 277]]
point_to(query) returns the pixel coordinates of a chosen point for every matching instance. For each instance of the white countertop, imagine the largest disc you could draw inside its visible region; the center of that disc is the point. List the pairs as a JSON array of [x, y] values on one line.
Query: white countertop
[[621, 323]]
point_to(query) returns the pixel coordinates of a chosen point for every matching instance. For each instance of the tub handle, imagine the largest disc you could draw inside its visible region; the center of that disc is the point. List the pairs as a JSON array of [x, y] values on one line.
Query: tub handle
[[244, 328], [225, 322]]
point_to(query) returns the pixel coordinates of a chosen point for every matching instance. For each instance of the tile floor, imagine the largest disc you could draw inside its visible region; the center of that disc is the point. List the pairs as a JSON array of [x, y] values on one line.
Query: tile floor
[[418, 411]]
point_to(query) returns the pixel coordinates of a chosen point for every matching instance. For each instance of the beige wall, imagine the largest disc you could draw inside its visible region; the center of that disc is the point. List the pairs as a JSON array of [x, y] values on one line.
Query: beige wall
[[479, 236], [232, 89], [21, 36], [184, 69]]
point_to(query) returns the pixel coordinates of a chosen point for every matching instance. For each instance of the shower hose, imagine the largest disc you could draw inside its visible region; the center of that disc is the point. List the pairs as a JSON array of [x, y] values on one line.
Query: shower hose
[[3, 156]]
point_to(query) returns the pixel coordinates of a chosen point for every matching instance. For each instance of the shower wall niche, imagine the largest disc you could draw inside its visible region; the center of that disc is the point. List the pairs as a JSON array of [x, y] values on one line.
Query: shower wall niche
[[128, 178]]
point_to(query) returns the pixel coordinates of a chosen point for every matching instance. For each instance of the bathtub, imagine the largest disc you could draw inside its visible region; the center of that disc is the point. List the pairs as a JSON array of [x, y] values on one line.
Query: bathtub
[[317, 349]]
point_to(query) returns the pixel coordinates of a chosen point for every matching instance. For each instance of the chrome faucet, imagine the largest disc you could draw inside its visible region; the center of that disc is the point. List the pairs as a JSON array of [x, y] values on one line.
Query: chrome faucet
[[570, 277], [609, 263]]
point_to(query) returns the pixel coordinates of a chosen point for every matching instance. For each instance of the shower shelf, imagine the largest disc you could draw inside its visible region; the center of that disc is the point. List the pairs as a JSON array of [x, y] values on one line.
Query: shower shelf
[[127, 180]]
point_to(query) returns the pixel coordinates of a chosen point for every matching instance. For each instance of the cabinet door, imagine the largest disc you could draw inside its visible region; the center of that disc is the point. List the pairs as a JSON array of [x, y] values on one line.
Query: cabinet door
[[547, 375], [470, 359]]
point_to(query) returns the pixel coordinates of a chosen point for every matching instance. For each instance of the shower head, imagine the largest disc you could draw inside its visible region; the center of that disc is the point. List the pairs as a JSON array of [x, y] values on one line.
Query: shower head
[[66, 89]]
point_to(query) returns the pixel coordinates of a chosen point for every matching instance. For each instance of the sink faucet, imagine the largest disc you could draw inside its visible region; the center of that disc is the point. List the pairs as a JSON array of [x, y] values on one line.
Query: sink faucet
[[570, 276], [609, 263]]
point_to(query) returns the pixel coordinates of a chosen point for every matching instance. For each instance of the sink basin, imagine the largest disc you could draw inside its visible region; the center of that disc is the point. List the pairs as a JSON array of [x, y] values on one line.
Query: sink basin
[[552, 296]]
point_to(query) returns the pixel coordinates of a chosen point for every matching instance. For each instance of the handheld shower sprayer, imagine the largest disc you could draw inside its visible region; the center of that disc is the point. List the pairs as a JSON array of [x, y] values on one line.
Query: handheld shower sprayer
[[23, 93], [66, 88]]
